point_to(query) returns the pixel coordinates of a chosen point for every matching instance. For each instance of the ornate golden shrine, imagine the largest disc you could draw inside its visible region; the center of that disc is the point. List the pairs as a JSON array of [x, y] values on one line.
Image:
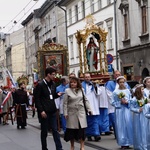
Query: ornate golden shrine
[[100, 34], [52, 55]]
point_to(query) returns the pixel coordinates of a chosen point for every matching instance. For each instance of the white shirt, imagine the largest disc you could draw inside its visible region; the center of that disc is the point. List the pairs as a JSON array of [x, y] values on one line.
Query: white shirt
[[103, 98], [92, 98]]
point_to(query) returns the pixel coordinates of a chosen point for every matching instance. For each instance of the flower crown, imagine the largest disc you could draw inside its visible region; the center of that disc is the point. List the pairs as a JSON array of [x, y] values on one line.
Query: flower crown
[[139, 85], [144, 81], [121, 77]]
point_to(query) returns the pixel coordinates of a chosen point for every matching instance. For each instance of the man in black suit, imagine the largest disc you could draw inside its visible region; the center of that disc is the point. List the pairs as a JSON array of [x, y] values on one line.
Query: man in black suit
[[46, 94]]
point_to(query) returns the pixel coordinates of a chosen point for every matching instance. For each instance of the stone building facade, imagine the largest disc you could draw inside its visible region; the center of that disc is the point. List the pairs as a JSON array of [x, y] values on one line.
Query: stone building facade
[[44, 25], [134, 39], [12, 53], [103, 12]]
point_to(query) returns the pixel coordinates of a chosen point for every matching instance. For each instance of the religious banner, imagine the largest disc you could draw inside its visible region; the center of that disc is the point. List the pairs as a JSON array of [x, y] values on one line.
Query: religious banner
[[55, 61], [53, 55]]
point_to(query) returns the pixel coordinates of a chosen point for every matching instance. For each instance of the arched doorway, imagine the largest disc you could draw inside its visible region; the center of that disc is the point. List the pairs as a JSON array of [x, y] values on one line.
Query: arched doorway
[[145, 73]]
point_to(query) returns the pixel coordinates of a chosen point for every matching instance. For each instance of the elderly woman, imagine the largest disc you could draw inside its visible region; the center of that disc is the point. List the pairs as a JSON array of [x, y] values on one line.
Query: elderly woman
[[74, 112]]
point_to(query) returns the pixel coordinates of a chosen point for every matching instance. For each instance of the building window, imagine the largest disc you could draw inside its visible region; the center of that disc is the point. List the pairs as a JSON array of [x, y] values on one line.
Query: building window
[[70, 16], [108, 2], [49, 22], [54, 20], [76, 12], [126, 35], [83, 9], [109, 26], [144, 19], [100, 24], [110, 37], [99, 4], [46, 25], [54, 39], [92, 6], [71, 47], [128, 72], [77, 50], [124, 7]]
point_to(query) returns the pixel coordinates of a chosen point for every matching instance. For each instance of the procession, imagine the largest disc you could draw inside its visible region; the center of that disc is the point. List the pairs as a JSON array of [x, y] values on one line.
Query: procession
[[112, 108], [75, 75]]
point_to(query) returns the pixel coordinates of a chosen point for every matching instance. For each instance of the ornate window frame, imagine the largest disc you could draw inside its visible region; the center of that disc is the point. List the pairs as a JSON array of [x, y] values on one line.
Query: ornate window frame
[[142, 4], [124, 7]]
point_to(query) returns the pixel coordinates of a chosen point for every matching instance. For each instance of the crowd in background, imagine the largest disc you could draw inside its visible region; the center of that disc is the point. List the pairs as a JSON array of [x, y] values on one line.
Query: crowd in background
[[15, 102]]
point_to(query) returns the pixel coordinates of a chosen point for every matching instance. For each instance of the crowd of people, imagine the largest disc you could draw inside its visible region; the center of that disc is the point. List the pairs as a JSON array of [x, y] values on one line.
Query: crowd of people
[[131, 115], [14, 101], [87, 109], [112, 105]]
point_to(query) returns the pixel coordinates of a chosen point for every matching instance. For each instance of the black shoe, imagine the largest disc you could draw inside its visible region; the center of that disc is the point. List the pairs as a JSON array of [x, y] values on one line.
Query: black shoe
[[125, 147], [111, 129], [17, 126], [89, 138], [97, 138], [108, 133], [33, 114], [23, 127]]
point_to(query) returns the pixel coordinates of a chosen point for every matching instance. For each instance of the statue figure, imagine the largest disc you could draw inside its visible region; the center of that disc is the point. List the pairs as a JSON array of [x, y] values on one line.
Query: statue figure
[[91, 54]]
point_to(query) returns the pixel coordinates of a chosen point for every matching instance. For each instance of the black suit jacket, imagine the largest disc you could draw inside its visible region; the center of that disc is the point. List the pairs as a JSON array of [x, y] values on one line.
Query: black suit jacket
[[42, 100]]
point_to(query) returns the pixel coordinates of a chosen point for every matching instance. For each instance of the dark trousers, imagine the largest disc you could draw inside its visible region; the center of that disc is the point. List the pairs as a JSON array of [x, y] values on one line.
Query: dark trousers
[[50, 121]]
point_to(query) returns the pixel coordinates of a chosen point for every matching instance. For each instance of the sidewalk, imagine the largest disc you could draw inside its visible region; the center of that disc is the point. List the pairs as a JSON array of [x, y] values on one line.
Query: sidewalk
[[106, 142]]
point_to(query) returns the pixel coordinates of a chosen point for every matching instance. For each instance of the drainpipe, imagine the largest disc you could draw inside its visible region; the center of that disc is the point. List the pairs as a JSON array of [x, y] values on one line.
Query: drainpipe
[[116, 39]]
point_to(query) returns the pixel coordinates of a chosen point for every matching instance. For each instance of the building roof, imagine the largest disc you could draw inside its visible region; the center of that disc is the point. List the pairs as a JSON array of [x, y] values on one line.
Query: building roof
[[64, 2], [47, 5], [27, 19], [40, 11]]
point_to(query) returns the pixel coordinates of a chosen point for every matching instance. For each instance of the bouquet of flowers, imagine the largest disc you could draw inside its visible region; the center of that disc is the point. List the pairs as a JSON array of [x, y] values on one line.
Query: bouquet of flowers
[[142, 102], [57, 79], [121, 95]]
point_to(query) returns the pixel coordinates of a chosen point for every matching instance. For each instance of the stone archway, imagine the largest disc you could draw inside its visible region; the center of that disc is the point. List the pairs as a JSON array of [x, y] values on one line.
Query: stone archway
[[145, 73]]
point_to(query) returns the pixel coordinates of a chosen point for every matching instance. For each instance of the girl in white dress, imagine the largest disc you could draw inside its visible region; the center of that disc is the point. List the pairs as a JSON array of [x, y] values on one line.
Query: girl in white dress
[[146, 81]]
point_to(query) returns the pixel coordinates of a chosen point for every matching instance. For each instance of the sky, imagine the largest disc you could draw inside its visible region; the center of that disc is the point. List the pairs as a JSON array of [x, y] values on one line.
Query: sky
[[16, 11]]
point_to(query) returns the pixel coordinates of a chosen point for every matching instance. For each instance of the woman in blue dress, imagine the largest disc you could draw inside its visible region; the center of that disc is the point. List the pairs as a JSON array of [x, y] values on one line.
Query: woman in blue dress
[[146, 81], [121, 99], [139, 120], [147, 115]]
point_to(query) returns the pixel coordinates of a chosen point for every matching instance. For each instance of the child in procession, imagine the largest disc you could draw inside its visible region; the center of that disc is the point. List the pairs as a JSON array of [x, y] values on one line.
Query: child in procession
[[147, 115], [139, 120], [121, 102], [146, 81]]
